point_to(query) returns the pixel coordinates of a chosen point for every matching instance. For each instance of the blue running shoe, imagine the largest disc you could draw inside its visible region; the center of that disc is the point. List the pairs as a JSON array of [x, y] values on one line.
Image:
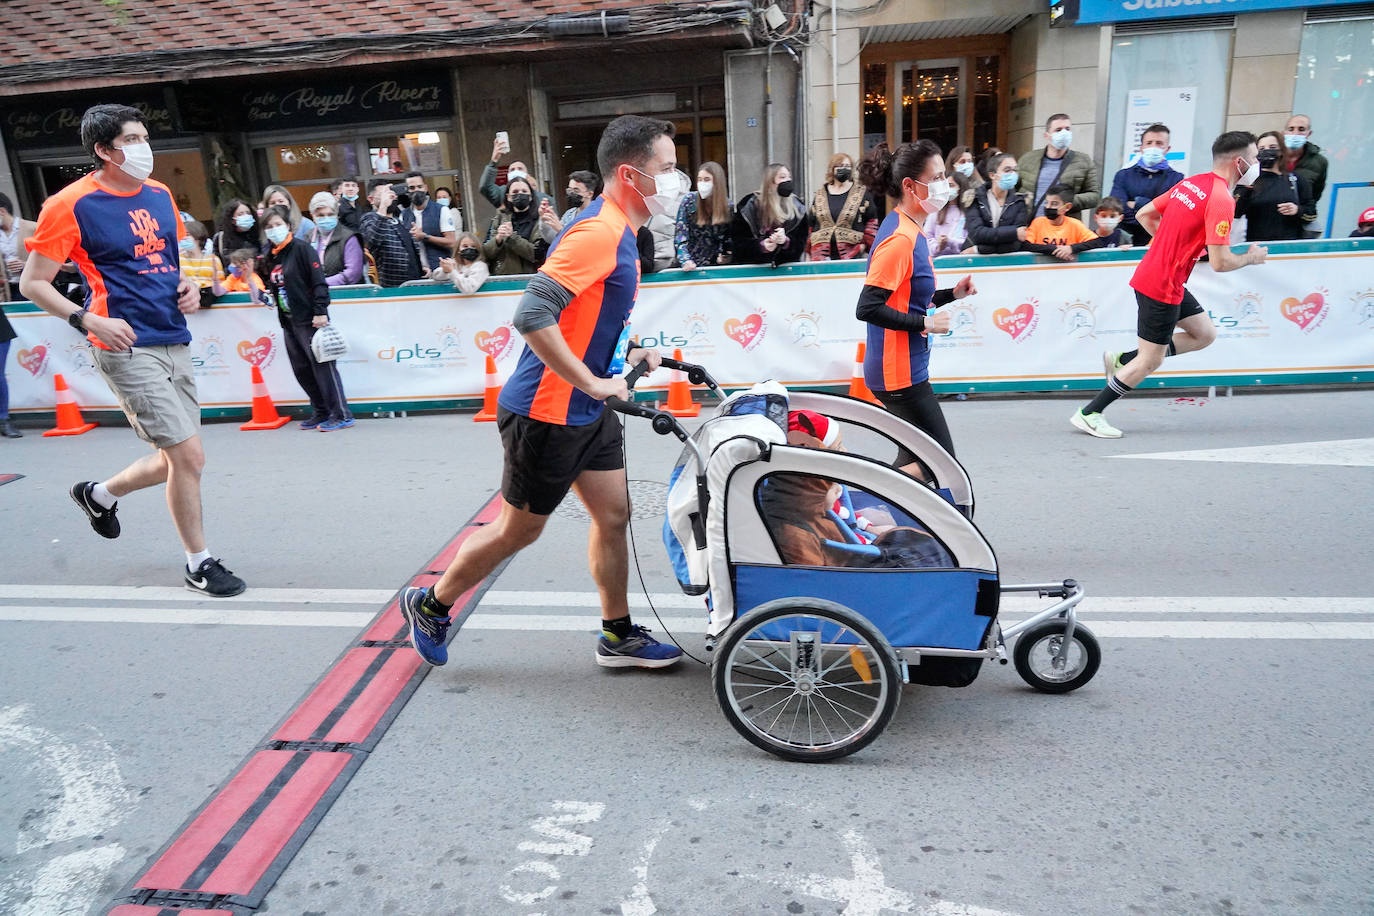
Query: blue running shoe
[[638, 650], [427, 633], [328, 426], [313, 421]]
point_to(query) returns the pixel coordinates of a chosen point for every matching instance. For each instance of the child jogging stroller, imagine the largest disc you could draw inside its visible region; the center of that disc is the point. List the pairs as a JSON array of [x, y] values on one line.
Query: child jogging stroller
[[832, 578]]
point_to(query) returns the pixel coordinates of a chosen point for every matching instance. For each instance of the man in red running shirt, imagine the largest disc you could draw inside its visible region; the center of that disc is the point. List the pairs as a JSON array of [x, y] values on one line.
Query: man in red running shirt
[[1194, 214]]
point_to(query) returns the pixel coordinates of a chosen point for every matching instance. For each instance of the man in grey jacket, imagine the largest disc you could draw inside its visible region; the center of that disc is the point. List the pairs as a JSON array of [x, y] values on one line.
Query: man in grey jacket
[[487, 186], [1042, 169]]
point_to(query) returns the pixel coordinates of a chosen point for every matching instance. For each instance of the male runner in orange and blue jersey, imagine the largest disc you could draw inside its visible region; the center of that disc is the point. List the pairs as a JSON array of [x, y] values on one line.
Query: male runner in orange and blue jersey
[[122, 231], [1194, 214], [556, 431]]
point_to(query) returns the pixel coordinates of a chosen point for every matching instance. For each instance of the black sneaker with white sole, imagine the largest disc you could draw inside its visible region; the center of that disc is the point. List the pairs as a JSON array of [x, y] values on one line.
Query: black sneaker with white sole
[[102, 520], [211, 578]]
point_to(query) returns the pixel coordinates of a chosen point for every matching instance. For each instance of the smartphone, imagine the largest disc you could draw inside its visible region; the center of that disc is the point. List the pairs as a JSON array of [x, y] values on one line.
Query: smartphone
[[503, 138]]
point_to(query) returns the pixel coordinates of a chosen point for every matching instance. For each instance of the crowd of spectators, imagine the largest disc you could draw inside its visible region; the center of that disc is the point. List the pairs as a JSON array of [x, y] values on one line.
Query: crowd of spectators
[[1048, 201]]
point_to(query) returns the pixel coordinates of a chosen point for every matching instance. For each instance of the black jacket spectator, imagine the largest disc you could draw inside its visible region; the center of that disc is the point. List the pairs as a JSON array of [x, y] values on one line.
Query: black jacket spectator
[[1135, 186], [749, 233], [296, 280], [1259, 204], [351, 213], [996, 237], [391, 247]]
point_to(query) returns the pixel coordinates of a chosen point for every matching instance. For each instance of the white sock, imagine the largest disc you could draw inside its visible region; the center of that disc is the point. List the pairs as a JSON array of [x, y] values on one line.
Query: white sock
[[193, 560], [101, 496]]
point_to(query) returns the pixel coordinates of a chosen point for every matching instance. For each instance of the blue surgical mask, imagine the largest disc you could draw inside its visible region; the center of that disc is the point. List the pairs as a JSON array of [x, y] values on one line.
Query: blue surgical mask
[[1294, 141], [1152, 157], [964, 168], [188, 244], [1007, 180], [278, 234], [244, 222], [327, 223], [350, 197], [1061, 138], [235, 270]]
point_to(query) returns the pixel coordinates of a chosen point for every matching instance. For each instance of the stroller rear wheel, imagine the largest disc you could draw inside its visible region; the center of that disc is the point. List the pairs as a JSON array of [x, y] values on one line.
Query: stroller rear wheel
[[1041, 664], [806, 679]]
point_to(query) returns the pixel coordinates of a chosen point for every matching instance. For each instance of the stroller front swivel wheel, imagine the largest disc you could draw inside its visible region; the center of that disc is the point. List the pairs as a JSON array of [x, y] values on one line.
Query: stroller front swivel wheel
[[806, 679], [1044, 662]]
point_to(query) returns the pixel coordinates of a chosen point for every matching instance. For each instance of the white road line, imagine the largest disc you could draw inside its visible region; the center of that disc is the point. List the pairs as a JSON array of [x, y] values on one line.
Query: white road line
[[366, 596], [680, 626], [1016, 603], [1340, 452]]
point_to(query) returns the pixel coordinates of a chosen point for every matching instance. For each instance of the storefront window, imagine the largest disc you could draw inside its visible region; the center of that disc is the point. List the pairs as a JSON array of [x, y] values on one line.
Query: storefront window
[[937, 89], [987, 88], [1178, 79], [875, 105], [315, 161], [425, 151], [1335, 89], [920, 91]]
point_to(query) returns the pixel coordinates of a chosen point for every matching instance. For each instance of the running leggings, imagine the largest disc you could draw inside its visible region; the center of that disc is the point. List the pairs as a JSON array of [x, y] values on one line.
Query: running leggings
[[4, 385], [917, 405]]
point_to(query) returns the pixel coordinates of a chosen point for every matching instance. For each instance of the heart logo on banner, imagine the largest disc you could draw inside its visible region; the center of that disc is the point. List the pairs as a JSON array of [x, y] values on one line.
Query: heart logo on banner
[[255, 352], [1016, 322], [1303, 313], [744, 332], [33, 360], [493, 343]]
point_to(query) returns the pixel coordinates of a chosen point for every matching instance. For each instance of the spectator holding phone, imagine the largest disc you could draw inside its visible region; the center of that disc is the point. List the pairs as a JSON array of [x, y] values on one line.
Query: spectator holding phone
[[487, 185], [391, 247], [770, 224]]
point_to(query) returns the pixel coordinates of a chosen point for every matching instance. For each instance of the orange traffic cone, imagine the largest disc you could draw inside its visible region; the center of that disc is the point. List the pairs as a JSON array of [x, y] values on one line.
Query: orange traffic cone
[[491, 388], [265, 414], [680, 403], [68, 414], [857, 388]]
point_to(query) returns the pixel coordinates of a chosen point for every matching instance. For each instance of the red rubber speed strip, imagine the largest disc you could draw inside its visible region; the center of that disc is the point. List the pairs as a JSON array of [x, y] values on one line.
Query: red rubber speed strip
[[231, 852]]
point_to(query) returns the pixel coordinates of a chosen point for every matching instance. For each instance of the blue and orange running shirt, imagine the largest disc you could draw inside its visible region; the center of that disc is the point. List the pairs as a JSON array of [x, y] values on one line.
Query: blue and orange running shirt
[[597, 261], [126, 247], [900, 262]]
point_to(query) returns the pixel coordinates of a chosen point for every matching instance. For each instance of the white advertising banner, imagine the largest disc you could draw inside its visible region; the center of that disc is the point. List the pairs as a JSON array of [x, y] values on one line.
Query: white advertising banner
[[1175, 107], [1299, 317]]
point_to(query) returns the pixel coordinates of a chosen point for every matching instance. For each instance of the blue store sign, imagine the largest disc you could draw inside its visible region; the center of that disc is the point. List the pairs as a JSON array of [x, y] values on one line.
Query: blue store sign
[[1091, 12]]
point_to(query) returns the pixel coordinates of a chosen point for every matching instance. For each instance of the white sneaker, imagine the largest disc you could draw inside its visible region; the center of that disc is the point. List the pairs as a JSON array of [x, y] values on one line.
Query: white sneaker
[[1094, 424], [1111, 361]]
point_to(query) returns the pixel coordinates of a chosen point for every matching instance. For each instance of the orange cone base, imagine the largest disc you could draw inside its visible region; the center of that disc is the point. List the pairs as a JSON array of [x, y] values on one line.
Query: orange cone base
[[485, 416], [274, 423], [691, 411], [71, 431]]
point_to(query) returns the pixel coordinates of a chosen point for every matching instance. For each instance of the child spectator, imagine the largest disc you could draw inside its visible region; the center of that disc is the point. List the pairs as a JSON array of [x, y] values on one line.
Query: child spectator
[[1365, 227], [1055, 233], [201, 268], [1109, 214], [299, 290], [467, 270], [242, 276]]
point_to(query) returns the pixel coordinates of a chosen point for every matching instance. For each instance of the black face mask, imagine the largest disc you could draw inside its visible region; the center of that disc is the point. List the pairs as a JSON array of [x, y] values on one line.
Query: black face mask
[[842, 175], [785, 189], [468, 254], [1267, 158], [520, 201], [575, 200], [419, 199], [1052, 212]]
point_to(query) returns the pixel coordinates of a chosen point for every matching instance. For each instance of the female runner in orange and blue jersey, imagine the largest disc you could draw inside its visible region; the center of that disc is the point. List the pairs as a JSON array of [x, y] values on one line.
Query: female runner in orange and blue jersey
[[900, 287]]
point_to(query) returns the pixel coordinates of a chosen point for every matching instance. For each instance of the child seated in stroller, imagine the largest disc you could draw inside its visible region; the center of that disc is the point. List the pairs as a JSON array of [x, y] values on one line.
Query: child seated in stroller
[[815, 521]]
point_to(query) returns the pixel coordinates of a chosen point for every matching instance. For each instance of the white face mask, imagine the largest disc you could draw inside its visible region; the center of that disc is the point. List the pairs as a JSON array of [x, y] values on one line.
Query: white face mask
[[668, 190], [277, 234], [1248, 178], [938, 193], [964, 168], [704, 189], [1109, 223], [513, 174], [138, 161], [1061, 138]]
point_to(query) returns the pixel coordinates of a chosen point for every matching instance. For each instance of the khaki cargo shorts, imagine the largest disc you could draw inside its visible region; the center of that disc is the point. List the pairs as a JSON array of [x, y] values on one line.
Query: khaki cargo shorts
[[156, 389]]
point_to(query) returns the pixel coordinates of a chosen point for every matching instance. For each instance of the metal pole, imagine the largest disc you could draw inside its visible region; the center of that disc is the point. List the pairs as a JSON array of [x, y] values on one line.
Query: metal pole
[[834, 78]]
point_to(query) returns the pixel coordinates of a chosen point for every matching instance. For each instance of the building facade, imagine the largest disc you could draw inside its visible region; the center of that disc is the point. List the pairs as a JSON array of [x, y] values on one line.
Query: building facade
[[321, 90]]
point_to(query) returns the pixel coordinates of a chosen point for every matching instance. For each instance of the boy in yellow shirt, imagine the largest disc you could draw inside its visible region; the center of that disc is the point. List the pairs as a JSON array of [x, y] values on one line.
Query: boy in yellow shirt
[[1056, 234]]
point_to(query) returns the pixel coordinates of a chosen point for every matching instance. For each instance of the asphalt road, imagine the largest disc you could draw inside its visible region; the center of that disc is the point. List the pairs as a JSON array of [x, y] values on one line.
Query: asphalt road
[[1219, 762]]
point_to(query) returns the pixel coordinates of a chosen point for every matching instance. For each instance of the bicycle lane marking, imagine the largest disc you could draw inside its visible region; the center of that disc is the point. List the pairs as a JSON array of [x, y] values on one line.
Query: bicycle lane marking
[[230, 852]]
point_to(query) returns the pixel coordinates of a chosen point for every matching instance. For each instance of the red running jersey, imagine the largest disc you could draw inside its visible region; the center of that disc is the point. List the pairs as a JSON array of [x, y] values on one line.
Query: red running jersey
[[1194, 213]]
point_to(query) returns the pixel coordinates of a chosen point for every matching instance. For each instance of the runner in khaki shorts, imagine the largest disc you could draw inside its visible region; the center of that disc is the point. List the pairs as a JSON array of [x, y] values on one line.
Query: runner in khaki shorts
[[122, 231]]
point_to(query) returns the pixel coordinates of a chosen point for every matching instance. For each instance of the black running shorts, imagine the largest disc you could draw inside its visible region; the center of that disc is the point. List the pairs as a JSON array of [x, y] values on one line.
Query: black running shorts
[[543, 459], [1155, 320]]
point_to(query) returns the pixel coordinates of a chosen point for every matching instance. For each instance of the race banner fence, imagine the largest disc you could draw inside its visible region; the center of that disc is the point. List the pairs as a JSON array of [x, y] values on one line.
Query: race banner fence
[[1306, 316]]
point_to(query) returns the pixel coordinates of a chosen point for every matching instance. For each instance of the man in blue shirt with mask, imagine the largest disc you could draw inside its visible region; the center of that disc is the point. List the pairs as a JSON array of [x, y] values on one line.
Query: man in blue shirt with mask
[[1145, 179]]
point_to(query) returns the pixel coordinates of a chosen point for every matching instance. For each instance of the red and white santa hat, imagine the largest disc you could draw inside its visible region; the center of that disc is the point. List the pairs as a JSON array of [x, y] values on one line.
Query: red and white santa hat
[[1367, 216], [814, 424]]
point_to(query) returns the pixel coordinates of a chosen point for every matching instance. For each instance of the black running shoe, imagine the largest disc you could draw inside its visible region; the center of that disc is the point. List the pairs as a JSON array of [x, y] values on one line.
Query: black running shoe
[[102, 520], [211, 578]]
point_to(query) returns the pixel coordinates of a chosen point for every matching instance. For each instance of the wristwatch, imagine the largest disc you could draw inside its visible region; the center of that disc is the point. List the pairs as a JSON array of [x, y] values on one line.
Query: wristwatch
[[77, 319]]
